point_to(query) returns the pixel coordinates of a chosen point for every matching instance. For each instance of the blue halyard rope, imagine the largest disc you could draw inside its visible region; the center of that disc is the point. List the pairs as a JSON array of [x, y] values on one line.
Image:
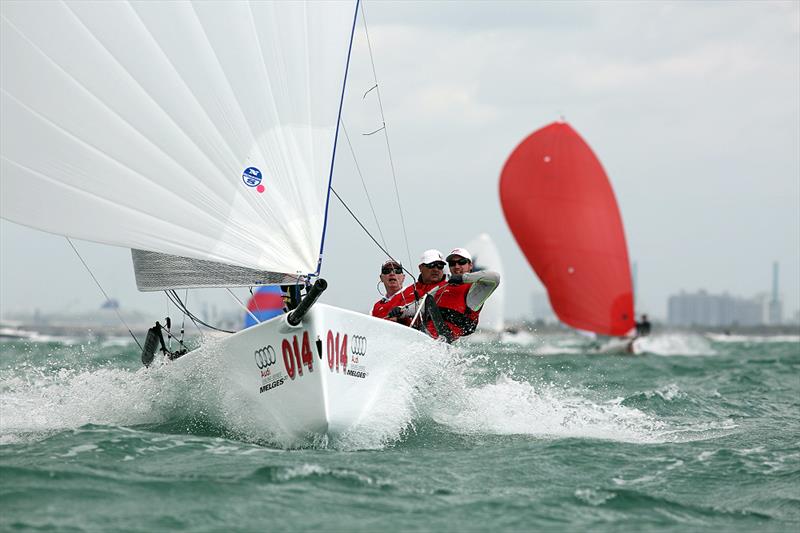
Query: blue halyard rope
[[335, 139]]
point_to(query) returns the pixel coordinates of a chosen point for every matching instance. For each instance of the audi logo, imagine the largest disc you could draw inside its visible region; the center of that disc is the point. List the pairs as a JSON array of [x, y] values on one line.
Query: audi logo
[[358, 345], [265, 357]]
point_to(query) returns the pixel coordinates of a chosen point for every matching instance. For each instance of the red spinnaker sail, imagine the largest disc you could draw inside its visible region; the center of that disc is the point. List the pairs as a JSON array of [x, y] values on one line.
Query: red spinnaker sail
[[561, 209]]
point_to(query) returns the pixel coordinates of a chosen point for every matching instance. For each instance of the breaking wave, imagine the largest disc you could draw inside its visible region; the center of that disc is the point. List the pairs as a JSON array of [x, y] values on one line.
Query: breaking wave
[[463, 395]]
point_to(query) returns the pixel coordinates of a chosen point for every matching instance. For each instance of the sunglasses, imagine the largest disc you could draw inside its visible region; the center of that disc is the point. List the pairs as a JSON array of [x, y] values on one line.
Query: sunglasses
[[462, 262], [388, 270], [437, 265]]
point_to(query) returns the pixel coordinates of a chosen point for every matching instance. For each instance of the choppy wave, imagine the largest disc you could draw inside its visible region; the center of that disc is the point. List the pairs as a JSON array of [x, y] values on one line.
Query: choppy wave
[[676, 344], [37, 401], [755, 339], [666, 344]]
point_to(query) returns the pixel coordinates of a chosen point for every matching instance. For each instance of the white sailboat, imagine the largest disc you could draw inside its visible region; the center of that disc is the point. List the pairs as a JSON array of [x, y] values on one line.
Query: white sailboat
[[202, 136]]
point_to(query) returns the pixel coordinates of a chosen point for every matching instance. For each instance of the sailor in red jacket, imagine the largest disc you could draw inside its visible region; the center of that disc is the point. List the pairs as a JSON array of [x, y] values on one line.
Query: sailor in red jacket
[[460, 301], [431, 275], [392, 278]]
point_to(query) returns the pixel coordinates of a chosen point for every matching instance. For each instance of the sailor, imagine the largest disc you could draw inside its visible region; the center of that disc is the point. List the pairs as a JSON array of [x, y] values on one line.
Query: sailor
[[392, 278], [643, 327], [431, 275], [460, 301]]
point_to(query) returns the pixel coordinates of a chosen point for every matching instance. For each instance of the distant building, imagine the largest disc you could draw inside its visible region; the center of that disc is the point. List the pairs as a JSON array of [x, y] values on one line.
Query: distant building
[[111, 303], [775, 314], [704, 309]]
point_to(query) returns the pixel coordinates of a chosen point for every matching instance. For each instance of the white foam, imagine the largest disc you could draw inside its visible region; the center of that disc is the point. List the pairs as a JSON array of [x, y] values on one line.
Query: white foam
[[511, 407], [720, 337], [40, 403], [435, 383], [675, 344]]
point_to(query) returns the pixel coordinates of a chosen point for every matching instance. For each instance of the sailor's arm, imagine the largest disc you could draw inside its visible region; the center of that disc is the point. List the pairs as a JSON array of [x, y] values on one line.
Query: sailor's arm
[[483, 284], [404, 311], [410, 309]]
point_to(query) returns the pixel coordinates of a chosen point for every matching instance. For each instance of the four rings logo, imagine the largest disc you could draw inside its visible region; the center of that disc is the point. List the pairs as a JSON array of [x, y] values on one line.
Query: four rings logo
[[265, 357], [358, 345]]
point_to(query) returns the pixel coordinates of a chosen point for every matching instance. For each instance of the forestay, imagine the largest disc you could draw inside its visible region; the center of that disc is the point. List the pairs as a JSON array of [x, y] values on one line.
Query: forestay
[[202, 130]]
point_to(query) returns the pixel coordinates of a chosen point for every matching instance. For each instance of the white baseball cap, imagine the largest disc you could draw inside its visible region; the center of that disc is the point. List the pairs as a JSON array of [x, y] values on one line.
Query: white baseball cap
[[462, 252], [431, 256]]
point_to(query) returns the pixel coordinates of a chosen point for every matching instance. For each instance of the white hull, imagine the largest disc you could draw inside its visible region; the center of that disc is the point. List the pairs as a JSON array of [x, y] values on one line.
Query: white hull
[[273, 390]]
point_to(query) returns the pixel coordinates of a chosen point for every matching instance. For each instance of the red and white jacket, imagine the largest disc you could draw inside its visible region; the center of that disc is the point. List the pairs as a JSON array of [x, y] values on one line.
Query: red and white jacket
[[460, 304]]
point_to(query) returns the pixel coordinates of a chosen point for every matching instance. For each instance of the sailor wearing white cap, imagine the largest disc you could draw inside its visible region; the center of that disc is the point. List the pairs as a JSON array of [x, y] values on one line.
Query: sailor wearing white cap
[[460, 301], [431, 276]]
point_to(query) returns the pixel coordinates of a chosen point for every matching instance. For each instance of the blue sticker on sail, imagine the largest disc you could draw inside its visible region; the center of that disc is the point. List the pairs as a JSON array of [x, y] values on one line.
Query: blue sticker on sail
[[251, 176]]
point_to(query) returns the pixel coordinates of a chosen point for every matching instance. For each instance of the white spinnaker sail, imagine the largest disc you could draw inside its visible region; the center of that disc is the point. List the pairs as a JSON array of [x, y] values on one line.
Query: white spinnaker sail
[[133, 124], [486, 257]]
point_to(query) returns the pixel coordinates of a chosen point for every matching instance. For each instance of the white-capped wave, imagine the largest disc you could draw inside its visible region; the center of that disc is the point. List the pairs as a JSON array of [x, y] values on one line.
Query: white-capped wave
[[675, 344], [721, 337], [441, 384], [512, 407]]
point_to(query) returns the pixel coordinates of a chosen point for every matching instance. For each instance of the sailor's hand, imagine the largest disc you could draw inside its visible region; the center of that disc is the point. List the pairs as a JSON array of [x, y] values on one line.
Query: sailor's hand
[[396, 312], [456, 279]]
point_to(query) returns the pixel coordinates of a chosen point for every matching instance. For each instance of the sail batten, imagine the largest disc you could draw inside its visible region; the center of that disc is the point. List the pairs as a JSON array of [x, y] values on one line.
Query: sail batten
[[201, 130]]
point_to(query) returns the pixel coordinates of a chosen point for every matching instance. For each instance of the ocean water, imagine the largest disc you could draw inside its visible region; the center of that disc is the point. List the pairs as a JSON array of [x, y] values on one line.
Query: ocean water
[[529, 432]]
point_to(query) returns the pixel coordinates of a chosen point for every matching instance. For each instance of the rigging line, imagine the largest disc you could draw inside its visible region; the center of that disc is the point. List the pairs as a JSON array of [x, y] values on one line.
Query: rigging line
[[367, 232], [369, 90], [364, 184], [385, 132], [336, 140], [183, 322], [89, 270], [177, 301], [180, 305], [243, 306], [375, 131], [196, 318], [169, 347]]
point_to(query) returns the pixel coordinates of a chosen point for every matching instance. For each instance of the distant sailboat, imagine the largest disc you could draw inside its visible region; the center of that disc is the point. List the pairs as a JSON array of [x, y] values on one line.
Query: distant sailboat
[[486, 257], [560, 207]]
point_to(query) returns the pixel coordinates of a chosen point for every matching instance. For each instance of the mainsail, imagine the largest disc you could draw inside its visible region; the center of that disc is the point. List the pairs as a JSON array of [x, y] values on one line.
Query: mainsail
[[486, 257], [560, 207], [201, 130]]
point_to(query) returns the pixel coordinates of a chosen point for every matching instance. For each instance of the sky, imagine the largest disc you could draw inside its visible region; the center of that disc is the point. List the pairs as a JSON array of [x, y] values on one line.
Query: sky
[[692, 107]]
